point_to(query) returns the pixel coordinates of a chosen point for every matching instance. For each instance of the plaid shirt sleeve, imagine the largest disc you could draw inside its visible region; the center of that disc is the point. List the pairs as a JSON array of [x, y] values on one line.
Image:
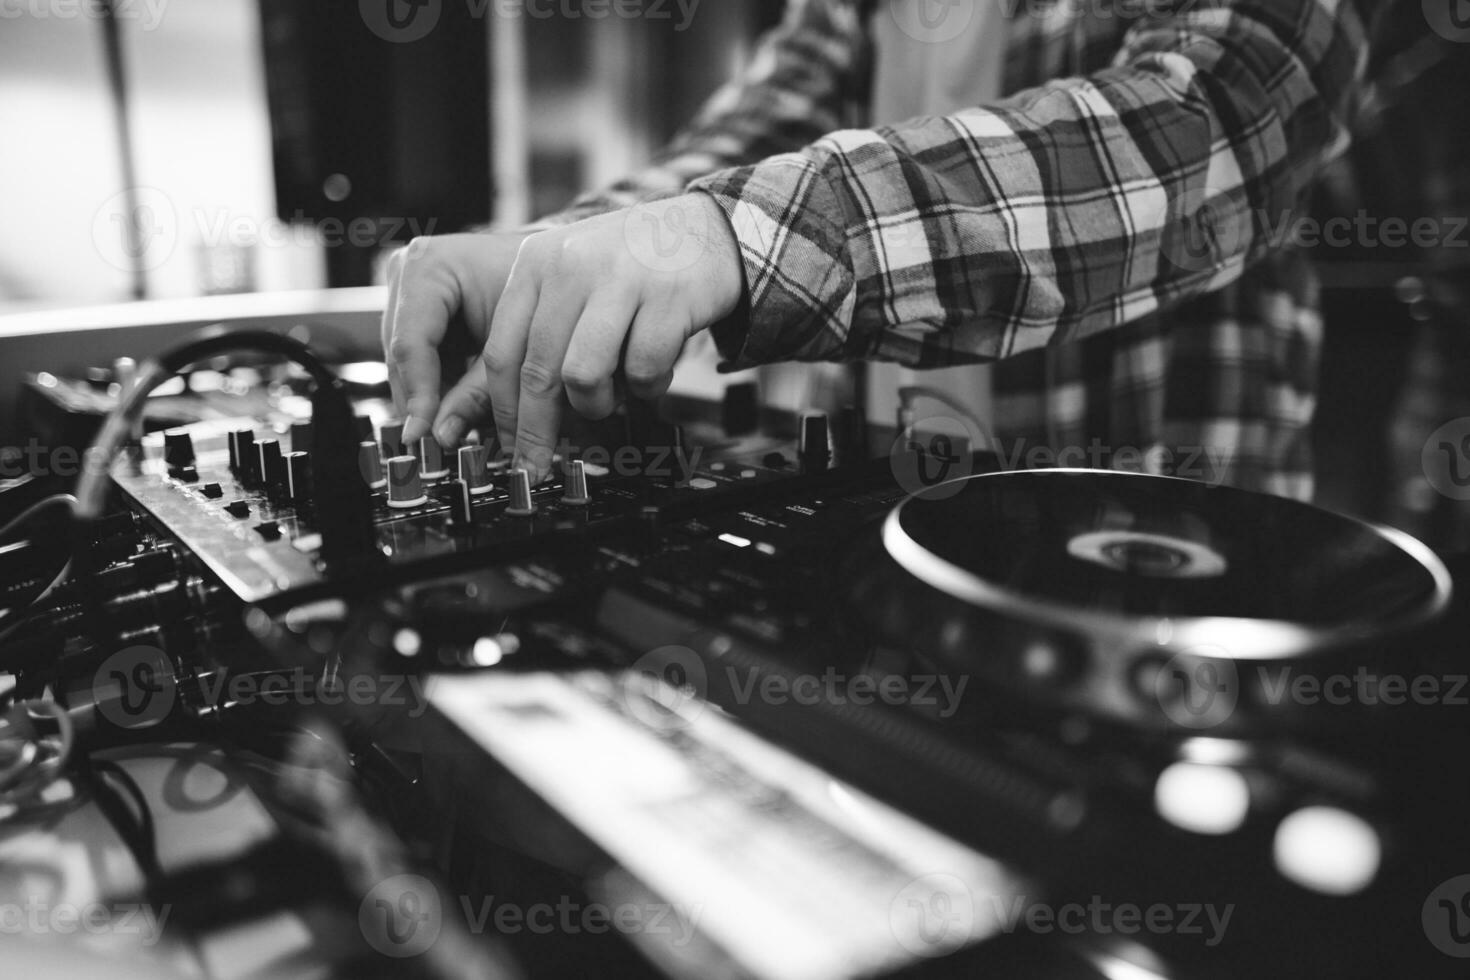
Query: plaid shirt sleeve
[[803, 82], [1062, 211]]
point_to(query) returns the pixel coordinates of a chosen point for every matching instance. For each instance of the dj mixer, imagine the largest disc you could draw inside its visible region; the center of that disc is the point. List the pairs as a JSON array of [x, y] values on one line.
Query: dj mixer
[[829, 711]]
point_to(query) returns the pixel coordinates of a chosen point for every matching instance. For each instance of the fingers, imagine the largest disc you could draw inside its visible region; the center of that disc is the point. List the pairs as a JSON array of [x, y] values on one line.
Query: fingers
[[428, 294], [538, 413], [505, 347], [654, 344], [466, 405], [395, 384], [590, 370]]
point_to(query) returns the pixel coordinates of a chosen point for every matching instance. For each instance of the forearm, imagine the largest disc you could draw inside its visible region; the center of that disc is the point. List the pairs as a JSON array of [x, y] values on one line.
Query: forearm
[[1062, 211]]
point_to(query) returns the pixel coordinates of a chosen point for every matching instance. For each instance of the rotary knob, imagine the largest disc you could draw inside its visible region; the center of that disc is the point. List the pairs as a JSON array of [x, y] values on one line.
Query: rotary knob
[[431, 459], [405, 488], [521, 504], [242, 457], [272, 467], [461, 510], [370, 464], [301, 436], [391, 437], [576, 493], [178, 449], [816, 442], [474, 469], [298, 477]]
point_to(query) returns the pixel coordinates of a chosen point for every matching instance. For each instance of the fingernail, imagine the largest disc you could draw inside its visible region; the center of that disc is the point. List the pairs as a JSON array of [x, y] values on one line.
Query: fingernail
[[451, 432], [414, 429]]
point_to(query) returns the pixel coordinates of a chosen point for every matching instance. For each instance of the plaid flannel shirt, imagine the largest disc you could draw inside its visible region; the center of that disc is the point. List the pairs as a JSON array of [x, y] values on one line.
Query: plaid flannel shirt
[[1105, 232]]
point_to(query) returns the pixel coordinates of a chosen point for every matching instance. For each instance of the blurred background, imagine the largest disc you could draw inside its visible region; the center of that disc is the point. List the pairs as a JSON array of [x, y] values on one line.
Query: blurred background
[[282, 145], [167, 150]]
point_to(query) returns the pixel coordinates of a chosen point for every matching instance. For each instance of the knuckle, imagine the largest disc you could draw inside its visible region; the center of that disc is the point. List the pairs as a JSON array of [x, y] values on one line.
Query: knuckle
[[538, 379], [497, 362], [401, 348], [573, 250], [476, 401], [417, 249], [581, 377]]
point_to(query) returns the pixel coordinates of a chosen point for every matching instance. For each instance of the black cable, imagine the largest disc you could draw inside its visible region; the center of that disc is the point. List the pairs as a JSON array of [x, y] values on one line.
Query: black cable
[[15, 609], [344, 507], [117, 82], [137, 831]]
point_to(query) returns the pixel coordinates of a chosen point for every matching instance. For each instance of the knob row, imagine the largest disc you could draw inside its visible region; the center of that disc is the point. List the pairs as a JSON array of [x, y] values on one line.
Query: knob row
[[262, 463]]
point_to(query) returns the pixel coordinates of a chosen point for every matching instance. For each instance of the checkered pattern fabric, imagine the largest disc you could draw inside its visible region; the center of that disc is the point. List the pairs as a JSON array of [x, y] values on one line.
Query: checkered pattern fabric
[[1104, 233]]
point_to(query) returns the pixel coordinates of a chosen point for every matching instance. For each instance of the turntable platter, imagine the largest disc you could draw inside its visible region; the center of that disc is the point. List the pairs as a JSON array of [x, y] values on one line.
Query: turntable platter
[[1152, 546], [1129, 596]]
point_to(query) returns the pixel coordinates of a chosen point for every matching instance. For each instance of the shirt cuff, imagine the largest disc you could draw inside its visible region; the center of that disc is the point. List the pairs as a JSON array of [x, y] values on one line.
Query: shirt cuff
[[799, 288]]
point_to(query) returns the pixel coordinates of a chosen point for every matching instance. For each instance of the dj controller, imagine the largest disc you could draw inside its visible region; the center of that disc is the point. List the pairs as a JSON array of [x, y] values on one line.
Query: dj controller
[[824, 706]]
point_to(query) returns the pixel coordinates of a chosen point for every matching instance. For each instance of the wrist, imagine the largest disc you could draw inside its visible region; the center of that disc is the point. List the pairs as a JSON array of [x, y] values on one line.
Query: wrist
[[727, 268]]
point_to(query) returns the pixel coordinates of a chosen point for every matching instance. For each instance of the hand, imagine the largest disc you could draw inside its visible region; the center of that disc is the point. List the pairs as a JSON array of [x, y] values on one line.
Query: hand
[[435, 285], [619, 292]]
